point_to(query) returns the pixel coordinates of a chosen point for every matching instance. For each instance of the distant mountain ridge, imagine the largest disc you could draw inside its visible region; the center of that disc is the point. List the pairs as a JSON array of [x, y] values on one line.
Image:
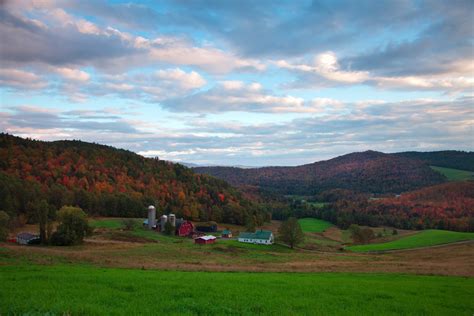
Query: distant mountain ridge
[[368, 171]]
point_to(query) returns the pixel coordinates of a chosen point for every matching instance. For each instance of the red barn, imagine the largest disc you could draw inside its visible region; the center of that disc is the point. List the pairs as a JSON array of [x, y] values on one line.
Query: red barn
[[185, 228], [204, 240]]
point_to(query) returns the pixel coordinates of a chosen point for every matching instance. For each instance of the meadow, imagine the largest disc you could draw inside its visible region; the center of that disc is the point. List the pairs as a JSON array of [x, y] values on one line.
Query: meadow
[[425, 238], [455, 174], [87, 290], [314, 225]]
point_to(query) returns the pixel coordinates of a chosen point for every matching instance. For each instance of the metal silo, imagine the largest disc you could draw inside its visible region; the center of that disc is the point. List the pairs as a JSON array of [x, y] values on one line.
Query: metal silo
[[151, 216]]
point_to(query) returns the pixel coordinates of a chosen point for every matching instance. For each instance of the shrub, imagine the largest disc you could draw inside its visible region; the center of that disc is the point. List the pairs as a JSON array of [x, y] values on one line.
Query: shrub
[[73, 227], [128, 224]]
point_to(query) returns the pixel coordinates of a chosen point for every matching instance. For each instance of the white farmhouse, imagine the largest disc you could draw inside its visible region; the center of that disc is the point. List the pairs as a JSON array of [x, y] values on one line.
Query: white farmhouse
[[263, 237]]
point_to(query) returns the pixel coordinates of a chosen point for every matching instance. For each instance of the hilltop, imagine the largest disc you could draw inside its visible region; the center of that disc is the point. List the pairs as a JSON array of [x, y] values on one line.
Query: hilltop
[[110, 182], [368, 171]]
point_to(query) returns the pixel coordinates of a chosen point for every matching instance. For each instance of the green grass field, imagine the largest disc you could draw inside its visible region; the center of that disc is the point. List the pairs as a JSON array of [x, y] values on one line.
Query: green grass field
[[112, 223], [314, 225], [86, 290], [454, 174], [424, 238]]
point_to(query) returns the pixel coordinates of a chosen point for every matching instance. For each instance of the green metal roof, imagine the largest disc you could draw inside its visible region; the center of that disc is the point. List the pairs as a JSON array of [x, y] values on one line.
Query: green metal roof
[[226, 232], [259, 234]]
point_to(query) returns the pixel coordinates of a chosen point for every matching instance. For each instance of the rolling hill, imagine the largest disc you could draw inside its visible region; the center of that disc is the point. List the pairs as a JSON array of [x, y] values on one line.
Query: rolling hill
[[453, 159], [369, 171], [110, 182]]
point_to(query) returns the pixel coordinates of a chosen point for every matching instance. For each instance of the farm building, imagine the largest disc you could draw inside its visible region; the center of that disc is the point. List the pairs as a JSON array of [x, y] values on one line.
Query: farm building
[[208, 227], [264, 237], [204, 240], [226, 233], [184, 228], [27, 239]]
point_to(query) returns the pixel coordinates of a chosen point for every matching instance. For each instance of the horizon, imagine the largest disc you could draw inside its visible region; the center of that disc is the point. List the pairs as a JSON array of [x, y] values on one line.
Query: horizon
[[190, 164], [240, 84]]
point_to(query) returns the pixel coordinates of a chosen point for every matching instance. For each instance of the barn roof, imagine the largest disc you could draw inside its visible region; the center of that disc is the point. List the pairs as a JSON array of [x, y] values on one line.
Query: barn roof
[[207, 237], [259, 234]]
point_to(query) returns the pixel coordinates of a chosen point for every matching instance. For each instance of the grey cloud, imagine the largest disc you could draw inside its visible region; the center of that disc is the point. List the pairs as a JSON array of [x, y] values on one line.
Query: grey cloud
[[24, 41], [37, 118]]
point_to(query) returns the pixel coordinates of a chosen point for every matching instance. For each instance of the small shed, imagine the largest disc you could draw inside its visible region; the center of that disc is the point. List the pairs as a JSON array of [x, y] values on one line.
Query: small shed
[[27, 239], [204, 240], [226, 233]]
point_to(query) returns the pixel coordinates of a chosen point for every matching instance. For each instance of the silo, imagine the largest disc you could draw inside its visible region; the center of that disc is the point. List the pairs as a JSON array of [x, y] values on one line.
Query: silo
[[172, 219], [151, 216], [163, 221]]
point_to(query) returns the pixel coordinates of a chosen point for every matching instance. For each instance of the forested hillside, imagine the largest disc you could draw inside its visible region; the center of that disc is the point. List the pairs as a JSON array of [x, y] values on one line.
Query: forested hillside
[[369, 171], [449, 158], [110, 182], [444, 206]]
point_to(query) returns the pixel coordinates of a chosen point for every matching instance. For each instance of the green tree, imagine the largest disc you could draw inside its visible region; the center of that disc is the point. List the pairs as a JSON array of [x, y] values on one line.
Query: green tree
[[290, 232], [250, 224], [4, 220], [169, 229], [73, 226], [42, 212]]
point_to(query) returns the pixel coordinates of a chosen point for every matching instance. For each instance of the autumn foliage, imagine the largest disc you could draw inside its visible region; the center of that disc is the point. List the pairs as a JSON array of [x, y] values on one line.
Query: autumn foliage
[[369, 171], [447, 206], [111, 182]]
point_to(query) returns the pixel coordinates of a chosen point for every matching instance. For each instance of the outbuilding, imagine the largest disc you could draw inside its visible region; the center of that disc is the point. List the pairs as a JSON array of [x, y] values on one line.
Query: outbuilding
[[184, 228], [27, 239], [263, 237], [226, 233], [204, 240]]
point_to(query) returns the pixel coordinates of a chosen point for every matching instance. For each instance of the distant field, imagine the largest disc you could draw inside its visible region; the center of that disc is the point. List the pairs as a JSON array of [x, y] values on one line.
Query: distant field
[[314, 225], [454, 174], [106, 223], [424, 238], [85, 290]]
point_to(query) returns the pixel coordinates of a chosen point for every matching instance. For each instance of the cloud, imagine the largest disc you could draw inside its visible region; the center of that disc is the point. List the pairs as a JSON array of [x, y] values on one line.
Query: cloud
[[325, 70], [60, 39], [19, 79], [419, 124], [29, 119], [229, 96]]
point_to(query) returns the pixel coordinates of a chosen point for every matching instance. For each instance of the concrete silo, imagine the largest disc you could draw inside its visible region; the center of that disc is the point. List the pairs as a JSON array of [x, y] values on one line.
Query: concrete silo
[[172, 219], [151, 217], [163, 220]]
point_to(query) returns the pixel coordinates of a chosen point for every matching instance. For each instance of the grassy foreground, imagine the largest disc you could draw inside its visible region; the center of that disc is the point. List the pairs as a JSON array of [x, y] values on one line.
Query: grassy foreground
[[314, 225], [424, 238], [454, 174], [87, 290]]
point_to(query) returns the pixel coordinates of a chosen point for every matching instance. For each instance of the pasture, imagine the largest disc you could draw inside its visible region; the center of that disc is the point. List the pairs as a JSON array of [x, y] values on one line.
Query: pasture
[[87, 290], [425, 238], [454, 174], [314, 225]]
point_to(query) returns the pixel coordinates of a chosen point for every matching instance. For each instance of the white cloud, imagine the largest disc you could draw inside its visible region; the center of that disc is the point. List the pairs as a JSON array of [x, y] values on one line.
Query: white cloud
[[184, 80], [20, 79], [229, 96], [325, 70], [72, 74]]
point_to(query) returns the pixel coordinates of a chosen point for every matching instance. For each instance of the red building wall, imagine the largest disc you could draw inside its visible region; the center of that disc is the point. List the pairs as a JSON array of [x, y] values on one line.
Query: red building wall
[[185, 229]]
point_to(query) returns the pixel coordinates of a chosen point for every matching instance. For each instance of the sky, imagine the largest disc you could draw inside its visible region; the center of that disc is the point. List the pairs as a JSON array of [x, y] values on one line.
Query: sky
[[250, 83]]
